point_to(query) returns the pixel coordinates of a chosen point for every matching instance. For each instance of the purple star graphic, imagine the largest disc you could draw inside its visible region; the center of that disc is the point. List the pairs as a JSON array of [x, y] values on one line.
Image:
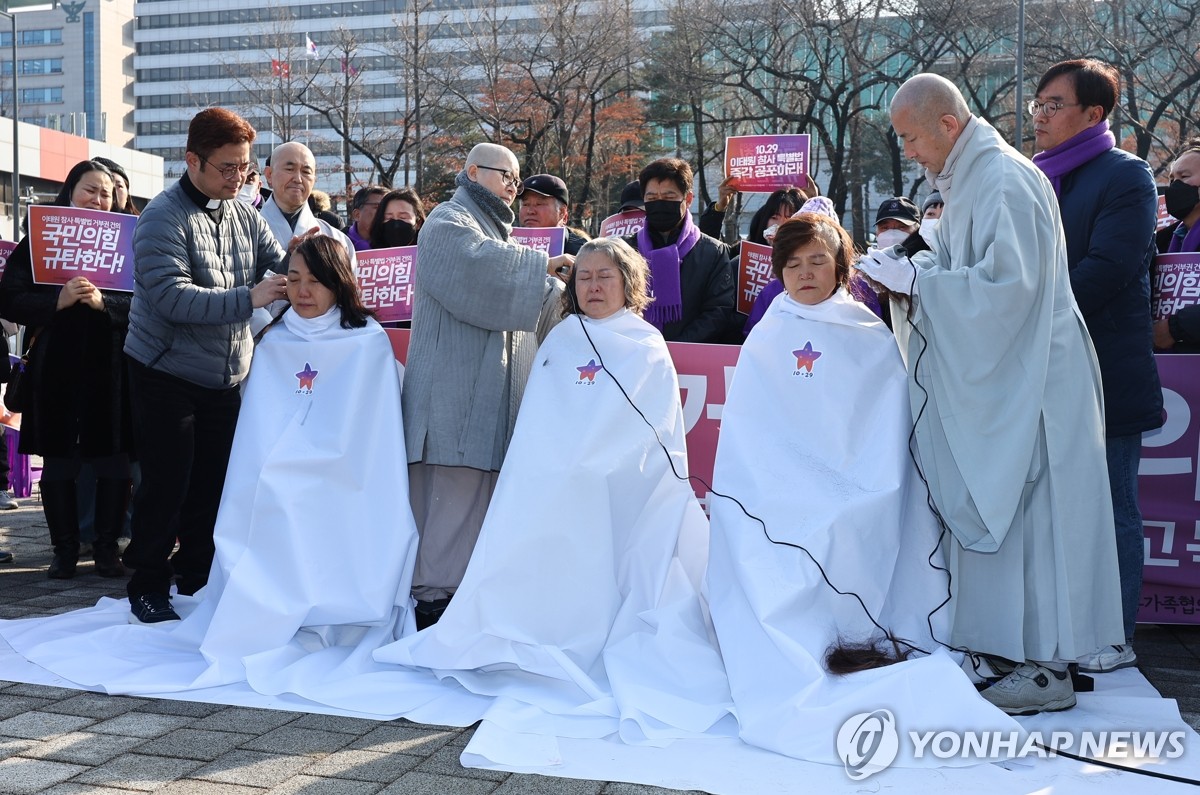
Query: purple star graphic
[[307, 376], [589, 370], [806, 356]]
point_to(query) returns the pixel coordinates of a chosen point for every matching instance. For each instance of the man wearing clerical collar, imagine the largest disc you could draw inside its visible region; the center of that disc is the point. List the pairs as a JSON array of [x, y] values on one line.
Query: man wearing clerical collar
[[199, 261]]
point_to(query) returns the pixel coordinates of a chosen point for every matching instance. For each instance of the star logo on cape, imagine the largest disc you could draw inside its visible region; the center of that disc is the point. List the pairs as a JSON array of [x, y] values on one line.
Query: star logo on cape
[[806, 356], [306, 377], [588, 371]]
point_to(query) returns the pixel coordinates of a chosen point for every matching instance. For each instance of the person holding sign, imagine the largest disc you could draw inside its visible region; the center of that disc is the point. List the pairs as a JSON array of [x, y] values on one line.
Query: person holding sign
[[1109, 211], [398, 219], [1180, 331], [280, 598], [80, 410], [545, 203], [1007, 405], [691, 276], [478, 300], [201, 259]]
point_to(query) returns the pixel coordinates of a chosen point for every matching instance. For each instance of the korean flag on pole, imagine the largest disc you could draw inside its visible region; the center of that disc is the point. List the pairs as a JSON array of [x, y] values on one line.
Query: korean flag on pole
[[310, 47]]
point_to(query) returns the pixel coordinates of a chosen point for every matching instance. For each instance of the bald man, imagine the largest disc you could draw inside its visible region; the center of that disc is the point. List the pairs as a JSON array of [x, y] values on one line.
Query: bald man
[[292, 176], [479, 300], [1007, 404]]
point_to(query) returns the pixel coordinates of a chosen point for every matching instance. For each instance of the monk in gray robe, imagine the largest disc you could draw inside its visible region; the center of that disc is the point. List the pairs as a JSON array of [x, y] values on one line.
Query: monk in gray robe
[[1007, 404], [480, 297]]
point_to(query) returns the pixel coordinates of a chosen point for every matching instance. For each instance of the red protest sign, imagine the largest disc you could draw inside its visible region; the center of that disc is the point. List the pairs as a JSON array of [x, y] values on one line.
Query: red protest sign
[[385, 281], [549, 240], [754, 273], [65, 242], [766, 163]]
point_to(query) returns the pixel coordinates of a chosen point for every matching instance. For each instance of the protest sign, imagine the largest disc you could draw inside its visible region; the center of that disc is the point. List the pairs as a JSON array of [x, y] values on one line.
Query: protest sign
[[65, 242], [766, 163], [754, 273], [1176, 283], [623, 224], [1169, 496], [6, 249], [1165, 219], [549, 240], [385, 281]]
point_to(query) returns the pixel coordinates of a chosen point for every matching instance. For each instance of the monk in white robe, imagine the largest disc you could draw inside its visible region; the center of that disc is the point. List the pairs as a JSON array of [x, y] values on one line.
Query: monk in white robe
[[1007, 403]]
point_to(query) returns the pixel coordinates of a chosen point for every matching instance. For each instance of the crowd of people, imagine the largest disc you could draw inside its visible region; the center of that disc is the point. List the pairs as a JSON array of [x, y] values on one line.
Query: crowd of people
[[512, 510]]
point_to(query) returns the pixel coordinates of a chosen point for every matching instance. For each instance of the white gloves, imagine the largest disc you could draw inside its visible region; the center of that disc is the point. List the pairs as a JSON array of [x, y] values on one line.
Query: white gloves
[[890, 267]]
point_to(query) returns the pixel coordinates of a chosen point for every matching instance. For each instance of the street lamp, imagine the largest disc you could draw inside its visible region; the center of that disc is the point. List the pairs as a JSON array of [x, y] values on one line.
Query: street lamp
[[9, 11]]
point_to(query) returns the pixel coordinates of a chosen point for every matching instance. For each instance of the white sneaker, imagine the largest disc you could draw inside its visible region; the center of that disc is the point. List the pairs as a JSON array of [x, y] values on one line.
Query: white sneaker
[[1108, 658], [1030, 689], [8, 502]]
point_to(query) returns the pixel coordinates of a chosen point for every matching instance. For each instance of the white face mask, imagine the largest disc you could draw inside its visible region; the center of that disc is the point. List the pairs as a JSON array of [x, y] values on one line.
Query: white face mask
[[891, 237], [929, 228], [247, 195]]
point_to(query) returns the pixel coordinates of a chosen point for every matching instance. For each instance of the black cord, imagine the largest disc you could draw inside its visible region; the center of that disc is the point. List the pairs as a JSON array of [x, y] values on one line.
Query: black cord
[[973, 656], [711, 490]]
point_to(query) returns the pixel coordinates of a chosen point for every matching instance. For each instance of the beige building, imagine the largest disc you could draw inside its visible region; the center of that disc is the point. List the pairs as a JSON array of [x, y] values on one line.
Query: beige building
[[74, 69]]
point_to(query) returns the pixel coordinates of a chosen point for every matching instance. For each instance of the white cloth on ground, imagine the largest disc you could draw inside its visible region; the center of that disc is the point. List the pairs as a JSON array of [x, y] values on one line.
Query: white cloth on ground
[[814, 442], [315, 541]]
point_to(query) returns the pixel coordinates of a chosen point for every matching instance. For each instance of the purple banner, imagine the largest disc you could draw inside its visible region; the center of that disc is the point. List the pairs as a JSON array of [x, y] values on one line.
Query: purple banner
[[65, 242], [1169, 496], [1176, 283], [385, 281], [549, 240]]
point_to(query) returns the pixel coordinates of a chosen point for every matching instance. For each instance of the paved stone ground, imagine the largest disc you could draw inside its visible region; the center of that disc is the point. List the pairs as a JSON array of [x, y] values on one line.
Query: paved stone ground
[[62, 742]]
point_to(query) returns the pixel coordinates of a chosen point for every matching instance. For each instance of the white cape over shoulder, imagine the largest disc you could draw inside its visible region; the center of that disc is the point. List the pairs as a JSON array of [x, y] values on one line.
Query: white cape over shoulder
[[814, 442], [580, 610], [315, 541]]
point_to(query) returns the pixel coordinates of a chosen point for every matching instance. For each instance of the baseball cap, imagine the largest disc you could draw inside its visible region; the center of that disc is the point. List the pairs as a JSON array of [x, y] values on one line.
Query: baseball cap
[[900, 208], [547, 185], [631, 197]]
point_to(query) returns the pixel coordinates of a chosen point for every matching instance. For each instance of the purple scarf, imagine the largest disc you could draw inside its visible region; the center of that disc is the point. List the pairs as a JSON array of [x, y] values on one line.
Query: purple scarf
[[1074, 152], [667, 304], [1188, 242]]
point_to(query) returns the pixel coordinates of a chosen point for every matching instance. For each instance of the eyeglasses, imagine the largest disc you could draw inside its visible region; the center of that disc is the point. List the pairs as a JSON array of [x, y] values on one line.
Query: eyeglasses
[[229, 172], [507, 177], [1049, 108]]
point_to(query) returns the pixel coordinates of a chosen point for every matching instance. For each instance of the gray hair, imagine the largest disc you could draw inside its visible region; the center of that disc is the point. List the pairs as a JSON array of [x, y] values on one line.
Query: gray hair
[[635, 273]]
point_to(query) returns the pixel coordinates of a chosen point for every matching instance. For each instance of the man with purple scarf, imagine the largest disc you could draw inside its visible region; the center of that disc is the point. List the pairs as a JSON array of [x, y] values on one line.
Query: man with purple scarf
[[1109, 206], [691, 276]]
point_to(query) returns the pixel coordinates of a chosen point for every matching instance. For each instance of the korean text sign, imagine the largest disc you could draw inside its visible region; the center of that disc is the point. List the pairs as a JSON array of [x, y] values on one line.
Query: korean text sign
[[66, 242]]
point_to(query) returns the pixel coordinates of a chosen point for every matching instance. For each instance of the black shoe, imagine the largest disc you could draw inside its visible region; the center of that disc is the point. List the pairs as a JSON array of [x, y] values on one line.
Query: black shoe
[[6, 556], [151, 608], [61, 568], [428, 613], [110, 566], [188, 586]]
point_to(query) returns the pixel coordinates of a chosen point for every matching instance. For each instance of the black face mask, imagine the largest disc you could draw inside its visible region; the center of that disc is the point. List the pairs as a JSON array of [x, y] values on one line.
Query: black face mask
[[398, 233], [1182, 198], [663, 216]]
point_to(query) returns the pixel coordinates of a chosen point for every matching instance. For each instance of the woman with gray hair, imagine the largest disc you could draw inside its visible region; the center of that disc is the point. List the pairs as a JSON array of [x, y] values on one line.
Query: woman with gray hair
[[583, 592]]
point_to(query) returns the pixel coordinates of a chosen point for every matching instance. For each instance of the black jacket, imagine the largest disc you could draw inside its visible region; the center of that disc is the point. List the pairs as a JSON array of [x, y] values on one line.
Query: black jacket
[[80, 390], [706, 285]]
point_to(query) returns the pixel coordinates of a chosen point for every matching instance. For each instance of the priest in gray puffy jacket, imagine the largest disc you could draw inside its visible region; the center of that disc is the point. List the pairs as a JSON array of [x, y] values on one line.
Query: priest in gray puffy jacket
[[199, 257], [480, 299]]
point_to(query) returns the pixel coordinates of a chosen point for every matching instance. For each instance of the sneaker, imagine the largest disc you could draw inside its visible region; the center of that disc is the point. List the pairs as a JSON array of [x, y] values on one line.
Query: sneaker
[[1030, 689], [8, 502], [151, 608], [1108, 658]]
